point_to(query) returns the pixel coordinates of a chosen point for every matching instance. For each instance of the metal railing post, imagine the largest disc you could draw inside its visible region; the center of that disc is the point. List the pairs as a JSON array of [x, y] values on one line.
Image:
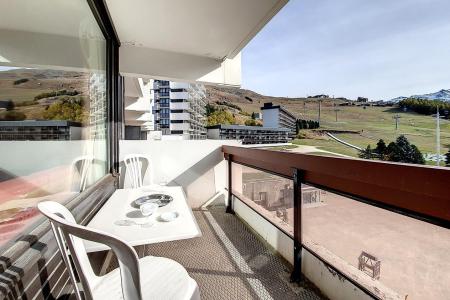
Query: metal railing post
[[296, 275], [230, 194]]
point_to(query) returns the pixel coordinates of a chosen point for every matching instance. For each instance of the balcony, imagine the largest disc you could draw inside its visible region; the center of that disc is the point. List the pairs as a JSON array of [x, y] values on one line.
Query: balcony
[[275, 225], [360, 209], [180, 126], [180, 116], [180, 105], [179, 95], [179, 85]]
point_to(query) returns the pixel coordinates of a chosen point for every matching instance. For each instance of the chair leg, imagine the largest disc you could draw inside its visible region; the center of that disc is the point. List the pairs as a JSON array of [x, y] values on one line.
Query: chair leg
[[106, 262]]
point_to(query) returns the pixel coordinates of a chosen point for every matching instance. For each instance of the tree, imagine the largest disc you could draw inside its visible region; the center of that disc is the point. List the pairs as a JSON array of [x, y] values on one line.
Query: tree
[[220, 117], [71, 110], [253, 116], [210, 109], [252, 122], [399, 151], [381, 149], [366, 153], [402, 151], [424, 106], [10, 105], [447, 158], [12, 115], [416, 156]]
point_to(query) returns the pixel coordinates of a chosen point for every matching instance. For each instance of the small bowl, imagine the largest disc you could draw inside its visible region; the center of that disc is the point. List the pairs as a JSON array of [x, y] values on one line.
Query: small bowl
[[169, 216]]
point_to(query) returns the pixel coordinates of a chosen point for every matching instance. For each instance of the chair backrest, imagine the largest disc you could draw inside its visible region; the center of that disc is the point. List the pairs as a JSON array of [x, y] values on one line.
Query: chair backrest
[[69, 237], [82, 166], [135, 164]]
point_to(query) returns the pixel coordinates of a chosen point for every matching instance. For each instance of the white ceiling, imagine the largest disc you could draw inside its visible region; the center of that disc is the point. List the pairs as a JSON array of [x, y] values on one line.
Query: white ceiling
[[181, 40], [208, 28], [65, 18]]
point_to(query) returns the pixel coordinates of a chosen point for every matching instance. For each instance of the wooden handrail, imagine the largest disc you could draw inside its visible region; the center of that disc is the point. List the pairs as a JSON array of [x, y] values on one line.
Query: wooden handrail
[[420, 191]]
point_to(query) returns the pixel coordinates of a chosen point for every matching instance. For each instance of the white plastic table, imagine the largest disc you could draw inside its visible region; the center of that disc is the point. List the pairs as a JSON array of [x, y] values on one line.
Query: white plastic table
[[118, 207]]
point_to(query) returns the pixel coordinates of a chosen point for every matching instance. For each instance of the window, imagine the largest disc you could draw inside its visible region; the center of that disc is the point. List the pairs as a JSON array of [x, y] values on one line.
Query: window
[[164, 113], [165, 102], [57, 123]]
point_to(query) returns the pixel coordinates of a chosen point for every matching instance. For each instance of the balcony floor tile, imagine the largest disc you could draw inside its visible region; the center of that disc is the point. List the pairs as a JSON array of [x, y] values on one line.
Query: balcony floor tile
[[230, 262]]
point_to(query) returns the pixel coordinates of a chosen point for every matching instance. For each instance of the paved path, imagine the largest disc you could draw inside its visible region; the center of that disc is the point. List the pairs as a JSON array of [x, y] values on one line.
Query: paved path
[[313, 149]]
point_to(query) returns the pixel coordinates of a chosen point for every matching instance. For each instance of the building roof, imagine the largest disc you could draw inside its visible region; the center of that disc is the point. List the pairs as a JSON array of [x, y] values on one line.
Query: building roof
[[269, 105], [33, 123], [243, 127]]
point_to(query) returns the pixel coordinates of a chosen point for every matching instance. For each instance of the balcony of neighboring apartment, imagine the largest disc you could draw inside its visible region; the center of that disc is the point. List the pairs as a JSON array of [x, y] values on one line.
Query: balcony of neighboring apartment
[[184, 116], [179, 85], [180, 126], [185, 105], [179, 95]]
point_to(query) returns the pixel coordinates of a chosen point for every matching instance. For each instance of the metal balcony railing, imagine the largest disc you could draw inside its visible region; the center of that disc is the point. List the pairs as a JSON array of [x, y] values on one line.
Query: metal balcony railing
[[419, 192]]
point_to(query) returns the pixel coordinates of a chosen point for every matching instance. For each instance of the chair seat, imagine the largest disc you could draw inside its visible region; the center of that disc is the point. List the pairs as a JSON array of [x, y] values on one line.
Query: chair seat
[[161, 278]]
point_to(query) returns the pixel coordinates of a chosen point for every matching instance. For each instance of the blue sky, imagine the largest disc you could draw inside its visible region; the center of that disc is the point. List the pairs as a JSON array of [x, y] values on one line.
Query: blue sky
[[379, 49]]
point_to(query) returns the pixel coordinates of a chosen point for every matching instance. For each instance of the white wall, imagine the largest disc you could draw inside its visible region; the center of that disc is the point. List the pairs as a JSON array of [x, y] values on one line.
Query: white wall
[[154, 63], [196, 165], [270, 118], [213, 133], [75, 133]]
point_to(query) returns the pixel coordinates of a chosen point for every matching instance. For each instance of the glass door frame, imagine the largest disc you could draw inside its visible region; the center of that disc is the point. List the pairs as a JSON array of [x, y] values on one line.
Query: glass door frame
[[114, 84]]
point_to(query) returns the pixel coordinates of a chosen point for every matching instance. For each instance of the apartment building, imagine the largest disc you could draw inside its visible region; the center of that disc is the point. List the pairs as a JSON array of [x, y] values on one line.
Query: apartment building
[[138, 117], [39, 130], [276, 116], [179, 110], [97, 106], [249, 134]]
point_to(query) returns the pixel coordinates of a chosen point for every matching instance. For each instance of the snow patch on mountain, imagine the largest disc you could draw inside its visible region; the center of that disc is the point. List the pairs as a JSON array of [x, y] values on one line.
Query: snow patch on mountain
[[443, 95]]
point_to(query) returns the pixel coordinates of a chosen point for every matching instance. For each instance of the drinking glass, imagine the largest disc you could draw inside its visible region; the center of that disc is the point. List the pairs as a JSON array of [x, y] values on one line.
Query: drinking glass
[[148, 209]]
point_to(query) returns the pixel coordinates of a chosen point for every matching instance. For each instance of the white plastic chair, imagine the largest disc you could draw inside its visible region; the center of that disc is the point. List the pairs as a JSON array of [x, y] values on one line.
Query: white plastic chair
[[146, 278], [134, 169], [82, 166]]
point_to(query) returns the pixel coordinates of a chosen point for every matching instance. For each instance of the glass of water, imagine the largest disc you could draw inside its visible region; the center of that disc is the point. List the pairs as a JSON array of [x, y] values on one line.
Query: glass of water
[[148, 209]]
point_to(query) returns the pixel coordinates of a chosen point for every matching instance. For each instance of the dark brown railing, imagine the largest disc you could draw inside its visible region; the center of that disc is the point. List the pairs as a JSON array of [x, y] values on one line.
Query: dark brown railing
[[421, 192]]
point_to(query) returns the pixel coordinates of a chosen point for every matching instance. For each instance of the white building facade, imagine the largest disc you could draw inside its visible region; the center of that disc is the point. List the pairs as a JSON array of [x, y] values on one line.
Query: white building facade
[[138, 118], [275, 116], [179, 110]]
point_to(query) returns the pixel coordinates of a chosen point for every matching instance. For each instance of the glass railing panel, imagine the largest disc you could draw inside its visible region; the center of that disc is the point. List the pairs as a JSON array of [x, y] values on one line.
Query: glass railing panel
[[377, 247], [269, 195]]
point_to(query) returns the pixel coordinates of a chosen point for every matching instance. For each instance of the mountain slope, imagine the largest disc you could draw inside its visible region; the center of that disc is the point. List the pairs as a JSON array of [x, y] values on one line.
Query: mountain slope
[[442, 95]]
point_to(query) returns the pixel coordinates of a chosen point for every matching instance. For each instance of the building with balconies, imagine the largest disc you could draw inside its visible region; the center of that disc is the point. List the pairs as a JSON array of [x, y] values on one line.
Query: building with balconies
[[249, 134], [138, 117], [276, 116], [40, 130], [179, 110]]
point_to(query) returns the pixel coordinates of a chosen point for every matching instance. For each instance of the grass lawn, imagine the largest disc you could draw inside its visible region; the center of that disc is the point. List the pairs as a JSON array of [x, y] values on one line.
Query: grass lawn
[[376, 123], [328, 145]]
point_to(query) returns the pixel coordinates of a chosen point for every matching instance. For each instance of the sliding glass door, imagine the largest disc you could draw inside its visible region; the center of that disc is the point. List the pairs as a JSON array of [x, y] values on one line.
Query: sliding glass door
[[55, 107]]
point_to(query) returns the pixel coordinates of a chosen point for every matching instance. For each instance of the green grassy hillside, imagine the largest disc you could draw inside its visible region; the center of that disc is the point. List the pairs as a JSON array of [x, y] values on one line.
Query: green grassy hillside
[[370, 123]]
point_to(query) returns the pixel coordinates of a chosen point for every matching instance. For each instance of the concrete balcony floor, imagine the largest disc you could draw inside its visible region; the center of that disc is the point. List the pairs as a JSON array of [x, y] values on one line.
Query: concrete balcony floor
[[230, 262]]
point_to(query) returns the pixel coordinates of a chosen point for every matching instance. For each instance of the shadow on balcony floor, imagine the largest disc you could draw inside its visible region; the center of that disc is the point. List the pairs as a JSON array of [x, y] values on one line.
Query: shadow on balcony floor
[[230, 262]]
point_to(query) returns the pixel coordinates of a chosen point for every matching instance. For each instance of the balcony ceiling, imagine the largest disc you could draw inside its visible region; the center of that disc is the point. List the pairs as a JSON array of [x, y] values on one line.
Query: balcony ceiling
[[209, 28], [177, 40]]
